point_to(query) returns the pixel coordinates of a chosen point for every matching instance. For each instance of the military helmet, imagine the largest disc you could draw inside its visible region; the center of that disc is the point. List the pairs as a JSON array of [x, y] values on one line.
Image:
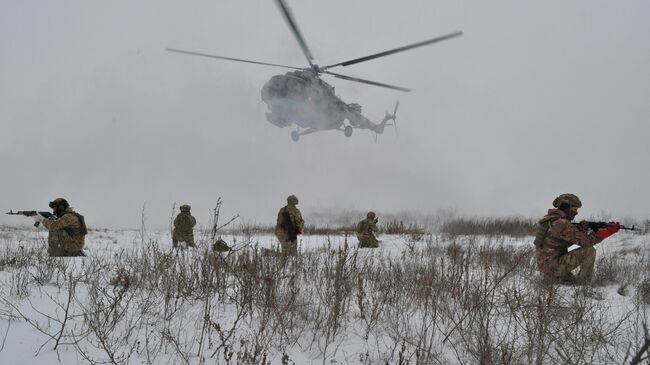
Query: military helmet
[[292, 199], [185, 208], [371, 215], [569, 199], [59, 202]]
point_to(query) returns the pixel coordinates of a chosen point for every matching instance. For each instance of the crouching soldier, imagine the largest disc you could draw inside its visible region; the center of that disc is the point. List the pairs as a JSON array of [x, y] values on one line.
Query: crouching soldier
[[220, 246], [289, 225], [66, 230], [366, 231], [556, 233], [184, 227]]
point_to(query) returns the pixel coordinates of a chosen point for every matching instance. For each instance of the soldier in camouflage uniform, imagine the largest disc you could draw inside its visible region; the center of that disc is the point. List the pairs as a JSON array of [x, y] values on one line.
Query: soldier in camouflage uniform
[[557, 233], [184, 227], [289, 225], [366, 231], [66, 232]]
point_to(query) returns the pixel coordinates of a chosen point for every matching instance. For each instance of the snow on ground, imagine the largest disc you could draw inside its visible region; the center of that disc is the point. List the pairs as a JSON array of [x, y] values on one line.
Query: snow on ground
[[22, 342]]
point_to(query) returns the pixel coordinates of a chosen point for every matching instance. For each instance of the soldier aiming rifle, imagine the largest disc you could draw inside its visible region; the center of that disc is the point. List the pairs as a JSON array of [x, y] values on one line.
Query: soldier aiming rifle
[[557, 233], [66, 228]]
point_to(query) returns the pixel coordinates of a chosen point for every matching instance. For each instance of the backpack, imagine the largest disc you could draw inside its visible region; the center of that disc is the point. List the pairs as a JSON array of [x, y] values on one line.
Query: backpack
[[542, 231], [361, 227], [82, 230]]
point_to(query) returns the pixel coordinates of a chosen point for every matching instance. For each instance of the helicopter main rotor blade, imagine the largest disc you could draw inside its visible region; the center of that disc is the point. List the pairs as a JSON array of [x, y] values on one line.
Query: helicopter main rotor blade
[[229, 58], [396, 50], [296, 32], [366, 81]]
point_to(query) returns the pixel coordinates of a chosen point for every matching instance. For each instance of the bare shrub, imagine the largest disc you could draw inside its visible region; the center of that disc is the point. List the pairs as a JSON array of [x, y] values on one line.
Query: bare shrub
[[643, 291], [510, 226], [437, 301], [399, 227]]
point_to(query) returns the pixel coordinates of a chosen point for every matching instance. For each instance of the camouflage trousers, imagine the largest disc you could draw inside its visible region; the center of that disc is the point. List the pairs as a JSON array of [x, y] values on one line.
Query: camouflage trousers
[[288, 247], [179, 237], [584, 258], [55, 250], [369, 241]]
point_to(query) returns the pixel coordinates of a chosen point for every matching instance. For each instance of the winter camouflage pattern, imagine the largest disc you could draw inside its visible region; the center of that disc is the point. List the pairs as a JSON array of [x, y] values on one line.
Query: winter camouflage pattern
[[365, 232], [184, 228], [553, 257], [65, 238], [289, 245]]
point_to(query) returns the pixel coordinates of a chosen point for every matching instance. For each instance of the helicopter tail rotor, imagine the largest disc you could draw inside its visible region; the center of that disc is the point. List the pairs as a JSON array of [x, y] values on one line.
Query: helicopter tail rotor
[[394, 118], [388, 117]]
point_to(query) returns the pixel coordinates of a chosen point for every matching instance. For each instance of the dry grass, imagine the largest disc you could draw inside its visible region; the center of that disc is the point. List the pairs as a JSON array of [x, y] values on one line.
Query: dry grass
[[511, 226], [437, 302]]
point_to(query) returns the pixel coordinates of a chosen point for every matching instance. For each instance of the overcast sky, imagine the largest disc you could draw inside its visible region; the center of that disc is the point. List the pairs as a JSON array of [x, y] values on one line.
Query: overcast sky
[[536, 99]]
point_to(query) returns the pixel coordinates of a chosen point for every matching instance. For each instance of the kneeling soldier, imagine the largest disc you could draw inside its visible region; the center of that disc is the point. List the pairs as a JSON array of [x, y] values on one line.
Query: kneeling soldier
[[556, 234], [66, 231], [366, 231]]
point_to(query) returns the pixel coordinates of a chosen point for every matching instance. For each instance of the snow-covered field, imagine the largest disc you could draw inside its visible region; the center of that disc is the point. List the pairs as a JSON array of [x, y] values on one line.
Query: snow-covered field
[[418, 299]]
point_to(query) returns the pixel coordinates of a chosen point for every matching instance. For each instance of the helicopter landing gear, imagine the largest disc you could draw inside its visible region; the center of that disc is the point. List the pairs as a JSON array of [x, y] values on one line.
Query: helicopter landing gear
[[347, 131], [295, 136]]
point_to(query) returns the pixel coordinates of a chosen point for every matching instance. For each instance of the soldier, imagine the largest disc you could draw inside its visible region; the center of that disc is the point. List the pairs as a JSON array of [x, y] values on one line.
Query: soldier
[[289, 225], [66, 232], [556, 234], [365, 231], [220, 246], [183, 227]]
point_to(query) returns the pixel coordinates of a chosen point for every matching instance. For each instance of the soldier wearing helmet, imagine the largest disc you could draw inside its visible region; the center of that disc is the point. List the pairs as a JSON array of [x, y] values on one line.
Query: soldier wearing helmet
[[366, 231], [66, 232], [556, 234], [184, 227], [289, 225]]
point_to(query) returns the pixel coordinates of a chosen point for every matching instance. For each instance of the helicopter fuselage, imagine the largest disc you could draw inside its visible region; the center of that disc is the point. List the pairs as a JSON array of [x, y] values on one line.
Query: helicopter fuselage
[[302, 98]]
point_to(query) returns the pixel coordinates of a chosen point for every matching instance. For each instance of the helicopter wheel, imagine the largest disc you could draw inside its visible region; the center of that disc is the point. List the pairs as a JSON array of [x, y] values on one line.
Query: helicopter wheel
[[295, 136], [347, 131]]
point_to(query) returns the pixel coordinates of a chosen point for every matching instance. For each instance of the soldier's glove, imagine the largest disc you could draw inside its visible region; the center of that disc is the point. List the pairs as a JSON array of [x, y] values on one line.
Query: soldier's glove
[[38, 218], [376, 220], [612, 227]]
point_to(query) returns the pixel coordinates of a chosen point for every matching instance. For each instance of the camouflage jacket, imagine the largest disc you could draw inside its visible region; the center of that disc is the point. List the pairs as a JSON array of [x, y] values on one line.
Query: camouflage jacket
[[65, 235], [294, 216], [561, 235], [367, 227], [184, 223]]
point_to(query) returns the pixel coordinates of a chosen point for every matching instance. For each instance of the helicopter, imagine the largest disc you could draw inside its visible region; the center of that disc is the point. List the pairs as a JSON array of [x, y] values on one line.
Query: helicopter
[[301, 97]]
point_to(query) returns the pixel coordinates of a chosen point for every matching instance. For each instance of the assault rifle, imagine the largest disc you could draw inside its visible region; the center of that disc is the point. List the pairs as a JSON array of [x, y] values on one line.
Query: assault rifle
[[595, 226], [31, 213]]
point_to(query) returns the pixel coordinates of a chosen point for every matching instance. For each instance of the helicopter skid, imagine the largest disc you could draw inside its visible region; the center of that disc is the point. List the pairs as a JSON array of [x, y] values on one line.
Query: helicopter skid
[[295, 135]]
